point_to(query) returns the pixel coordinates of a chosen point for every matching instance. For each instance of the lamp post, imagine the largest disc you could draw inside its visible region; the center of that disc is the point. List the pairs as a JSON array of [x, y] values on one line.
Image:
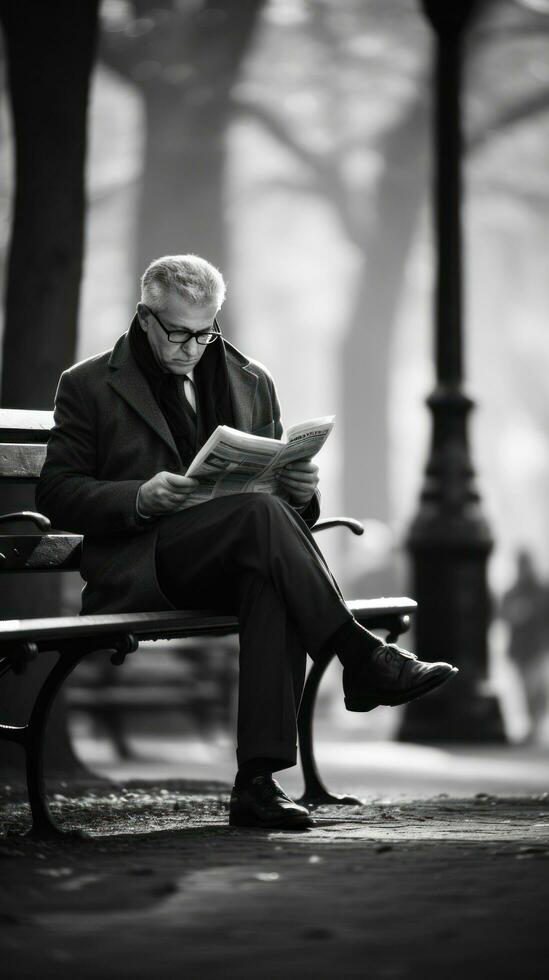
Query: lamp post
[[449, 540]]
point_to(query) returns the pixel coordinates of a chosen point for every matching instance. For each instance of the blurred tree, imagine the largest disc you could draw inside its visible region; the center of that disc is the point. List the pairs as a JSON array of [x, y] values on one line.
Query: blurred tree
[[380, 227], [50, 50], [185, 58], [381, 222]]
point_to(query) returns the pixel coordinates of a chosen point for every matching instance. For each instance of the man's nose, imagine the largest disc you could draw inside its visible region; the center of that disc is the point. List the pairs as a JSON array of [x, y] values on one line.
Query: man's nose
[[191, 348]]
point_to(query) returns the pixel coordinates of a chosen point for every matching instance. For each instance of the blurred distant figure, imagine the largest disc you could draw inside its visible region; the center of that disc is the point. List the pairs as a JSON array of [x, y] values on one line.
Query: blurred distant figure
[[525, 608]]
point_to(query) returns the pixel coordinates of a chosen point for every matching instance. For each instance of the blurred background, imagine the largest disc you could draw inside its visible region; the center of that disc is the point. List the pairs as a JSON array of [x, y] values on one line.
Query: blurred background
[[290, 142]]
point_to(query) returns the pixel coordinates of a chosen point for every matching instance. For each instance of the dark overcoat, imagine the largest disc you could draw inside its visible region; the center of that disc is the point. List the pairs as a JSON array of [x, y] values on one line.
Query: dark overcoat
[[109, 437]]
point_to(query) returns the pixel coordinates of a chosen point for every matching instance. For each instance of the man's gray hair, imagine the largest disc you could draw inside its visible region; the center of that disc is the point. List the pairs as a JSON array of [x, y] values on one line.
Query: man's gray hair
[[194, 278]]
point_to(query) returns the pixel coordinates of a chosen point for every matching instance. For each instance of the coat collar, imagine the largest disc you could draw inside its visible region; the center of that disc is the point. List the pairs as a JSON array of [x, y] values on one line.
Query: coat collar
[[129, 382]]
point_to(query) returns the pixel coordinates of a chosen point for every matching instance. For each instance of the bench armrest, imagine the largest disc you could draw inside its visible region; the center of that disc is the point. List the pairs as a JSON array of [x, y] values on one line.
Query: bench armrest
[[42, 523], [355, 526]]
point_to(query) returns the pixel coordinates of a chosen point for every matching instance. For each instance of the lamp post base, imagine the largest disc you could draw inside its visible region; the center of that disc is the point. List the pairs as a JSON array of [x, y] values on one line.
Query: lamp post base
[[449, 550]]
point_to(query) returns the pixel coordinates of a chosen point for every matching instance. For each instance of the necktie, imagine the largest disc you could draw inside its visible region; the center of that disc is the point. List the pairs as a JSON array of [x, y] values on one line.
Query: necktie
[[188, 389]]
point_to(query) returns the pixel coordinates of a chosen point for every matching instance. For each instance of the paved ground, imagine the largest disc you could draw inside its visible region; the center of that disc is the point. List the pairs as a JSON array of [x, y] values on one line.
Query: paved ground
[[347, 762], [437, 886]]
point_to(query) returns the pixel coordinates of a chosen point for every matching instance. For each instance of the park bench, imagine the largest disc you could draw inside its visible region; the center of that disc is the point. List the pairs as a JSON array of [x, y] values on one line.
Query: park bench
[[23, 438]]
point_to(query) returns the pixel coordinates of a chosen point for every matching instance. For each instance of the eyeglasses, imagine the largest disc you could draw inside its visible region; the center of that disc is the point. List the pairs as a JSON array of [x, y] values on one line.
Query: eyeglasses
[[182, 336]]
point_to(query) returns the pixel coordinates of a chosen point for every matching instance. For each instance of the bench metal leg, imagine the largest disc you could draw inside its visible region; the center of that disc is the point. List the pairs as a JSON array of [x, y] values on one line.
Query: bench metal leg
[[43, 822], [32, 737], [315, 792]]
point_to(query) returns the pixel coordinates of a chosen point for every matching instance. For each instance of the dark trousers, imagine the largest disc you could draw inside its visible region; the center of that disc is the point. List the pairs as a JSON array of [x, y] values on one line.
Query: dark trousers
[[252, 555]]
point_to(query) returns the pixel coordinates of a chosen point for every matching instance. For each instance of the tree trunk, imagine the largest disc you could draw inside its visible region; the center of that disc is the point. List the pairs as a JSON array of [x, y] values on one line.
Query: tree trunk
[[50, 49], [367, 350], [198, 55]]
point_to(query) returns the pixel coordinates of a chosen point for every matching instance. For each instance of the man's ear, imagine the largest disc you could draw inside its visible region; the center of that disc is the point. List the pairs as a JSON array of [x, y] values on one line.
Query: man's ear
[[142, 316]]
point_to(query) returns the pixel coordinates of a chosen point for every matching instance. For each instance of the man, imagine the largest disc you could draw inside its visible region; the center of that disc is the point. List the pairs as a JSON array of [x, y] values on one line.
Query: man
[[127, 424]]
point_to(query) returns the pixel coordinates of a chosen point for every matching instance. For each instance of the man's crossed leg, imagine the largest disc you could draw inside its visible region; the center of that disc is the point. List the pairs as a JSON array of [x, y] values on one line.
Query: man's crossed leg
[[251, 554]]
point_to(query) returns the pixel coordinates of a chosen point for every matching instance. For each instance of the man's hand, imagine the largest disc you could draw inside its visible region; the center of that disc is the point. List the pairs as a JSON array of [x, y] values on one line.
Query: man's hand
[[299, 479], [164, 493]]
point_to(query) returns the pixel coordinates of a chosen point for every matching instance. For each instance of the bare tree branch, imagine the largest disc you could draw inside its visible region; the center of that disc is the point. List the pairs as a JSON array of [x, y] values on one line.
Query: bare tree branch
[[322, 167], [522, 112], [504, 188], [287, 185]]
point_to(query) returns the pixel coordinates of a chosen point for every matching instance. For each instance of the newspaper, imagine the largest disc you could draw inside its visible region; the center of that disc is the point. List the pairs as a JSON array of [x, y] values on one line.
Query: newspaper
[[231, 461]]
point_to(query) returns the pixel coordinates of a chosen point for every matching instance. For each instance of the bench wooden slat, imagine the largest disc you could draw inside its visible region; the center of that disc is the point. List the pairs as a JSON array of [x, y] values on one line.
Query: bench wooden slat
[[163, 625], [150, 625], [25, 418], [22, 425], [385, 604], [21, 461], [40, 552], [148, 698]]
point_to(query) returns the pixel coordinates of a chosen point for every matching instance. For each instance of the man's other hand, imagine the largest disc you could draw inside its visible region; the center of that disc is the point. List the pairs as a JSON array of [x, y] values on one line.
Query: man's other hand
[[163, 493], [299, 479]]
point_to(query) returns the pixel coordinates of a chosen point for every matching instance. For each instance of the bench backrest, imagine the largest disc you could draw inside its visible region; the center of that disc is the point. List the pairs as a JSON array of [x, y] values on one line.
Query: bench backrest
[[23, 437]]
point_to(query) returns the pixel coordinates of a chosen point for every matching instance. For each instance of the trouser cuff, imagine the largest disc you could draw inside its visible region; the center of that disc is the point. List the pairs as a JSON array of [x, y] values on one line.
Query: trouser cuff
[[283, 754]]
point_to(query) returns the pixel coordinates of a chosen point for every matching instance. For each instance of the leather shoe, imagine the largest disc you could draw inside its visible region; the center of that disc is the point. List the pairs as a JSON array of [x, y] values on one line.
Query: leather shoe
[[390, 675], [263, 803]]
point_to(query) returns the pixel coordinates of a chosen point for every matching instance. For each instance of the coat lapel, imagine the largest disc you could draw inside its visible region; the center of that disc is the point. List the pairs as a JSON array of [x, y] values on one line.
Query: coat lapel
[[128, 381], [243, 383]]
